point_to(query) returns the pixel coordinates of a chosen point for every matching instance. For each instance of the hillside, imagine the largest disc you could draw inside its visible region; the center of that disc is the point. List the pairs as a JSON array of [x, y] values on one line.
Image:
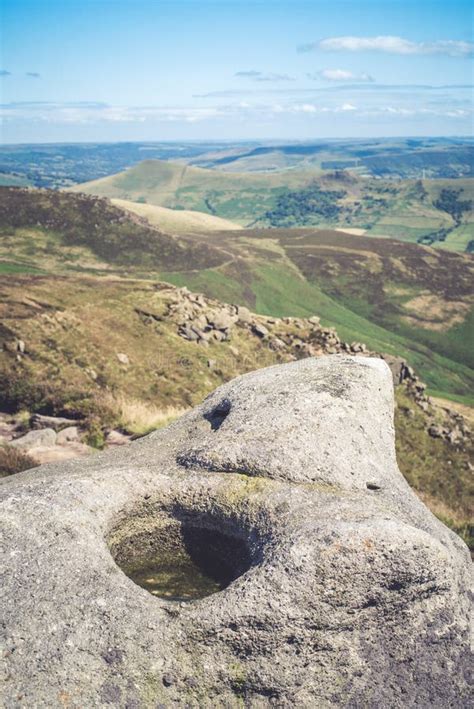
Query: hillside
[[437, 212], [55, 231], [110, 351], [400, 298], [176, 221]]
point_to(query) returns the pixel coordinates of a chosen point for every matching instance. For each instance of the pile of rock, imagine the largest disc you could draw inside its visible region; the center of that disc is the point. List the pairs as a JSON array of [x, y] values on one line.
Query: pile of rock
[[50, 438], [454, 429]]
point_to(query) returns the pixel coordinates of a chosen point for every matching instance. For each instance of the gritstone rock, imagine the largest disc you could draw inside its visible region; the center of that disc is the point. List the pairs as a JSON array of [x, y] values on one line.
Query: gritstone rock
[[337, 586]]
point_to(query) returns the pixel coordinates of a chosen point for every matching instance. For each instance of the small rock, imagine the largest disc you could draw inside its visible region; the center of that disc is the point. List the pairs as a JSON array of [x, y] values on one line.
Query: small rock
[[259, 330], [276, 344], [55, 422], [211, 363], [35, 439], [67, 435], [436, 431], [314, 320], [123, 358], [188, 333], [244, 315], [219, 335], [116, 438], [20, 345], [221, 320]]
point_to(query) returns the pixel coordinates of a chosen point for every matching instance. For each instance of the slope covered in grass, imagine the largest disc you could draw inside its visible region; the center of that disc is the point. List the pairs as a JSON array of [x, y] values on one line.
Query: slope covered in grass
[[109, 351], [396, 297], [409, 210], [176, 221]]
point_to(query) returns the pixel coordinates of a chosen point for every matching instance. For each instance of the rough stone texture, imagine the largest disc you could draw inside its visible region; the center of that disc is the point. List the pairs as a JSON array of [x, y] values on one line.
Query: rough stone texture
[[353, 594], [35, 439], [66, 435]]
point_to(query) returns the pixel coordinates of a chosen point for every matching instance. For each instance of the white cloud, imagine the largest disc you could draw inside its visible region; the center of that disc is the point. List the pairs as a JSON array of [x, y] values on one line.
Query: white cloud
[[340, 75], [348, 107], [391, 45], [305, 108], [381, 105], [262, 76]]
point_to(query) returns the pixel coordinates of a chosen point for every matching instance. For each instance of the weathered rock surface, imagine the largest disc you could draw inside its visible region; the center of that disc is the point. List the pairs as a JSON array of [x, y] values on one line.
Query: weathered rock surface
[[344, 589], [35, 439]]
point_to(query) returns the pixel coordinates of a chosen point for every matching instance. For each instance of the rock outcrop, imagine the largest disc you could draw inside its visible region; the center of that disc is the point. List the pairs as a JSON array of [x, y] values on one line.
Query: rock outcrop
[[334, 585]]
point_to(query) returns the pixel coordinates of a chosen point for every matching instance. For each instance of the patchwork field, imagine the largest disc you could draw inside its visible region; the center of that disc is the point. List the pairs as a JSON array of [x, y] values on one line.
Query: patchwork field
[[421, 211]]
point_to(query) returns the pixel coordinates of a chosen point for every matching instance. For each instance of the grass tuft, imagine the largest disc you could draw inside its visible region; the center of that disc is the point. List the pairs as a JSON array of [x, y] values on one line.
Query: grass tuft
[[141, 417]]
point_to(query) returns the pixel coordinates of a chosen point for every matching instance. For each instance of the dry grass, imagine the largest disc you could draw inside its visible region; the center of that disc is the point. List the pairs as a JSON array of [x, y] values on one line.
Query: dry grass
[[176, 221], [14, 461], [140, 417]]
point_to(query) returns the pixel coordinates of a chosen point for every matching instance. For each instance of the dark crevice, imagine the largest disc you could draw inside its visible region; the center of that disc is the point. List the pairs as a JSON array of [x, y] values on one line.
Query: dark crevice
[[218, 414]]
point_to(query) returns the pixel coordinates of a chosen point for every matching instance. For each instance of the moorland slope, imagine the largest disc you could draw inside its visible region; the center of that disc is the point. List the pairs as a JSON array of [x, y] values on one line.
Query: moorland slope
[[405, 299], [437, 212]]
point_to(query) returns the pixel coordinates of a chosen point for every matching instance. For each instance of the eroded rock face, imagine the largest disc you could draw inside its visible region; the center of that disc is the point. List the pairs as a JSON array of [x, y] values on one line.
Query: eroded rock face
[[334, 585]]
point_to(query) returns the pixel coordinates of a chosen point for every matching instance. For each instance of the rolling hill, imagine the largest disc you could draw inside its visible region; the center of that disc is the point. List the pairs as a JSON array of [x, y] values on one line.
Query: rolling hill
[[437, 212], [399, 298], [176, 221]]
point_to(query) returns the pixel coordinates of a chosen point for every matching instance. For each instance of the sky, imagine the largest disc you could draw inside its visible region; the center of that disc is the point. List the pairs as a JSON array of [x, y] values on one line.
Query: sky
[[119, 70]]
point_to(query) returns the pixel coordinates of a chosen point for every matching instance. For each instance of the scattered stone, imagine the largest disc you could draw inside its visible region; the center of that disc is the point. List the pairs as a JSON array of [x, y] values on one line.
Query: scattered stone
[[436, 431], [276, 344], [35, 439], [54, 422], [123, 358], [116, 438], [244, 315], [211, 363], [188, 333], [221, 320], [314, 320], [68, 435], [259, 330], [20, 345], [219, 335]]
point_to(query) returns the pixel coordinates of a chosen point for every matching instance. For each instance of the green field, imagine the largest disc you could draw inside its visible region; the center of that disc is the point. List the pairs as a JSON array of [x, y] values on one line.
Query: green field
[[396, 297], [409, 210]]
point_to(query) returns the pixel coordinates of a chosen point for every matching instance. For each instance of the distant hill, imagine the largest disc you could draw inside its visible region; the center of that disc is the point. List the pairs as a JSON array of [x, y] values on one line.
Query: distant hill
[[56, 231], [176, 221], [60, 165], [401, 298], [438, 212]]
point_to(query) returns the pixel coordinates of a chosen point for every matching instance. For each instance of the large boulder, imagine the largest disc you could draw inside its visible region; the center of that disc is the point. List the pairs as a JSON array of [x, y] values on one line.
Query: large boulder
[[278, 559]]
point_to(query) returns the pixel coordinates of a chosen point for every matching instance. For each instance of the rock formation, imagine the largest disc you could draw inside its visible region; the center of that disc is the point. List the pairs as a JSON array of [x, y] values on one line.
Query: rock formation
[[333, 585]]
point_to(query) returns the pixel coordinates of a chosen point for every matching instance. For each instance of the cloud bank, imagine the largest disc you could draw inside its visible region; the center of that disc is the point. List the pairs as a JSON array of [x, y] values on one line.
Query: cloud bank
[[391, 45], [262, 76], [340, 75]]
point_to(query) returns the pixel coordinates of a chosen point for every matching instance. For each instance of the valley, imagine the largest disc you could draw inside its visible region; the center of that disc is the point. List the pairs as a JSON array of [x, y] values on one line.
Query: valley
[[431, 212], [400, 298]]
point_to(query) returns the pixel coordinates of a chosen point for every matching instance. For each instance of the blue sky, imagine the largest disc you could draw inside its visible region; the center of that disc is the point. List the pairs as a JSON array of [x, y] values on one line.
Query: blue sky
[[226, 70]]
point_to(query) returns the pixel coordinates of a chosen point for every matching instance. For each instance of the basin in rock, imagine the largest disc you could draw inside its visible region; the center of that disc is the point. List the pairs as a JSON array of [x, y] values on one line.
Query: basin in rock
[[264, 550]]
